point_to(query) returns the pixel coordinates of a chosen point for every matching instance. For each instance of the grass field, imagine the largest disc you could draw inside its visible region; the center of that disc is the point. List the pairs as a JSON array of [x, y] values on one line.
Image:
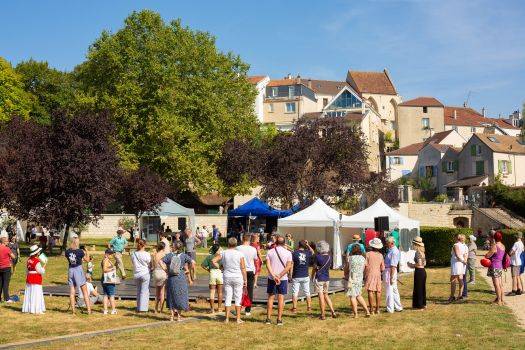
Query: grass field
[[472, 324]]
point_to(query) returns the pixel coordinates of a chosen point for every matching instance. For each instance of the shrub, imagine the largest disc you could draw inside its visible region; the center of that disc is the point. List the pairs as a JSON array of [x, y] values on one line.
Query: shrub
[[509, 237], [442, 197], [438, 243]]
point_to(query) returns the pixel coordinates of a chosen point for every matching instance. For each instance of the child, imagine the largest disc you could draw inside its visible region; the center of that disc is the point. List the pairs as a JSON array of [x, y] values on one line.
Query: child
[[90, 266], [216, 280]]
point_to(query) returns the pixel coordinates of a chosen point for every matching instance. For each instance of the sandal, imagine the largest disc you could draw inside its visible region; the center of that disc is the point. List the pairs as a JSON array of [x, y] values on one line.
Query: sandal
[[293, 310], [451, 300], [322, 318], [334, 315]]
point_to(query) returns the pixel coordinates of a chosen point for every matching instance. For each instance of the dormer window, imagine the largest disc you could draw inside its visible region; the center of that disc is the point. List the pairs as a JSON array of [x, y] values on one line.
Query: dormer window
[[291, 91], [274, 92]]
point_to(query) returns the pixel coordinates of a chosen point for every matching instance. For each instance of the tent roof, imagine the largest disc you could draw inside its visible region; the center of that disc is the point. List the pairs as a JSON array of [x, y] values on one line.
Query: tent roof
[[319, 214], [257, 207], [171, 208], [365, 218]]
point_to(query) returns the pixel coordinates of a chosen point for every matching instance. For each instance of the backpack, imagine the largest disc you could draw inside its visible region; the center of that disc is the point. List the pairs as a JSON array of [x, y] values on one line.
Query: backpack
[[175, 264]]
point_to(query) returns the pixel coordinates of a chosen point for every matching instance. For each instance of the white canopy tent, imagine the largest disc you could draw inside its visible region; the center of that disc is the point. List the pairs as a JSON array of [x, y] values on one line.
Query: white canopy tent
[[316, 222], [171, 208], [408, 228]]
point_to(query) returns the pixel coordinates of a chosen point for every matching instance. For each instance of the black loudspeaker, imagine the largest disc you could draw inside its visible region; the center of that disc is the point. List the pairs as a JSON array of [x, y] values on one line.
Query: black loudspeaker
[[381, 223]]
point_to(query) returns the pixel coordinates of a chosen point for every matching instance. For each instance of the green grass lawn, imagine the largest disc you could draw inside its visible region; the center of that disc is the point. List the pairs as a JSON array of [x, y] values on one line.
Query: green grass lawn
[[469, 325]]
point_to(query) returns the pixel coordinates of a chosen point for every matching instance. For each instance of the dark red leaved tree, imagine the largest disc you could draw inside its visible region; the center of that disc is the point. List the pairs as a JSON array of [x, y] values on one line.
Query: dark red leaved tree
[[60, 174]]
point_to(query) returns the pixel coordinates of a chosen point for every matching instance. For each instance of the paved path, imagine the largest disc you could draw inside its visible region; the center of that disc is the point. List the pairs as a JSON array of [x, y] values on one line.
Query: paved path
[[515, 303], [84, 335]]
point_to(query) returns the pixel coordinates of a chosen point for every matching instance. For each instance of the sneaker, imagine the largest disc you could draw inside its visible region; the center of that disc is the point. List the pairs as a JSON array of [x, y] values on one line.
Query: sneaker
[[113, 312], [279, 322], [247, 314], [268, 321], [9, 301]]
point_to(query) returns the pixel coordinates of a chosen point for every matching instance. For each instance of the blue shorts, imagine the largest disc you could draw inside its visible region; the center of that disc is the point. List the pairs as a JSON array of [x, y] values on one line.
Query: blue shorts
[[76, 277], [273, 288], [109, 289]]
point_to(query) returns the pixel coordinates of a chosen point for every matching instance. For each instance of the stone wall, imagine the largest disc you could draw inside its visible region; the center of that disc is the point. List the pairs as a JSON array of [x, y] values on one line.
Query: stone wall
[[108, 224], [434, 214]]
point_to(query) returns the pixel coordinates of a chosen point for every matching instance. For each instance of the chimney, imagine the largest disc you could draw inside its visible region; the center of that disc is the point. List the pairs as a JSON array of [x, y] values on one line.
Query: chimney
[[298, 79], [309, 83], [455, 116], [483, 111]]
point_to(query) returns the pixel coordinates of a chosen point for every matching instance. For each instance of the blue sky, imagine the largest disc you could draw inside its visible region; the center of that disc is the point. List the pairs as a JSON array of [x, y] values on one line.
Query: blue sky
[[441, 48]]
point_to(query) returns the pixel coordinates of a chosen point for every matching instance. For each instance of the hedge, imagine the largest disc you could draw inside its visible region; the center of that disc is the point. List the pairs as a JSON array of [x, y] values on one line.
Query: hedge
[[509, 237], [438, 243]]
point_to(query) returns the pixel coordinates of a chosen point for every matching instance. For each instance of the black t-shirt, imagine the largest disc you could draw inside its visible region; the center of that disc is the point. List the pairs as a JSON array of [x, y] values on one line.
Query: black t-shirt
[[74, 257]]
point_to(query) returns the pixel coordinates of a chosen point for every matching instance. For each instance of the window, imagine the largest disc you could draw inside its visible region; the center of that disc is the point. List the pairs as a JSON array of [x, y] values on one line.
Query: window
[[345, 101], [291, 91], [480, 167], [425, 123], [425, 109], [473, 129], [475, 150], [270, 108], [325, 102], [429, 171], [504, 167], [274, 92], [290, 107], [396, 160], [493, 139]]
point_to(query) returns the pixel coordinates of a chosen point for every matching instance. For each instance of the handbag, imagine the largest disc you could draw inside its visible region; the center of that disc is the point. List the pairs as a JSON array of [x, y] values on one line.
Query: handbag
[[111, 277], [245, 301]]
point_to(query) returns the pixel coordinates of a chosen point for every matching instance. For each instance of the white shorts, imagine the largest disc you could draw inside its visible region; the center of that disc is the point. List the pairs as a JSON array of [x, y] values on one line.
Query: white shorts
[[301, 284]]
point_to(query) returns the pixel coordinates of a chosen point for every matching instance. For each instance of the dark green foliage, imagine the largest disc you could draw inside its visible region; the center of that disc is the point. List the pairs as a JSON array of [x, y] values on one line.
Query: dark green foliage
[[439, 241], [509, 237], [509, 197]]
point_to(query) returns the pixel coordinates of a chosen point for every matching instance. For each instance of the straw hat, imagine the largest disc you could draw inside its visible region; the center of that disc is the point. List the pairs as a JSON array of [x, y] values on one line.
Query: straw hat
[[418, 241], [376, 243], [356, 237], [34, 250]]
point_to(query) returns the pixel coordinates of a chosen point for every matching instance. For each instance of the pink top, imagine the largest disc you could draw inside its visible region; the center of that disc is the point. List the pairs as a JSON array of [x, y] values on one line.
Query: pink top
[[5, 257], [375, 263], [275, 263]]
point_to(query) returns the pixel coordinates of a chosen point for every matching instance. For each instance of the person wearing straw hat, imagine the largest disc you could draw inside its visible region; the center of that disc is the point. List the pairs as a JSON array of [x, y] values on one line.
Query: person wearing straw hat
[[356, 239], [33, 294], [374, 267], [419, 294]]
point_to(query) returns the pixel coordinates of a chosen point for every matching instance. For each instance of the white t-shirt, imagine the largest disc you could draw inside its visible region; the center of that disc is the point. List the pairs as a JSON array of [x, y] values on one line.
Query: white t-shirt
[[515, 259], [140, 260], [231, 262], [250, 255]]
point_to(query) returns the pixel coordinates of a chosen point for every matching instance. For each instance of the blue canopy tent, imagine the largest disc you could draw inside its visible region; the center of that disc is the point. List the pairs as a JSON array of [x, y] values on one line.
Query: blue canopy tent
[[256, 207]]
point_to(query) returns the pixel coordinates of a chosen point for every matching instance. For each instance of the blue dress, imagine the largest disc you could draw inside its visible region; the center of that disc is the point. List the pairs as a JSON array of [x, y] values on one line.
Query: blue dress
[[177, 286]]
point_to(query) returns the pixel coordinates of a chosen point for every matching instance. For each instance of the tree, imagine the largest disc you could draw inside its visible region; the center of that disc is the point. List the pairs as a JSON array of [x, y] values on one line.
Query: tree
[[175, 99], [51, 89], [320, 158], [59, 174], [140, 191], [13, 99]]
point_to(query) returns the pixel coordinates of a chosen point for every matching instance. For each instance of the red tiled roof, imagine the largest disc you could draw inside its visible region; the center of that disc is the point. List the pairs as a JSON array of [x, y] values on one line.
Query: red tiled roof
[[469, 117], [285, 82], [422, 102], [255, 79], [371, 82], [410, 150], [324, 87], [439, 136]]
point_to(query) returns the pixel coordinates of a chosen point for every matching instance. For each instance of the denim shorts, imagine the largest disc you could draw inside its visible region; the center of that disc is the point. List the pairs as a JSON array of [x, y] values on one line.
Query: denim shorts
[[109, 289], [76, 277], [273, 288]]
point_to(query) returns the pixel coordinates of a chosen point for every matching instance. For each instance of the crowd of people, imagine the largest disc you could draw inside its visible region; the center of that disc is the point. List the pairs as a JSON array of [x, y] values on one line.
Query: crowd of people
[[369, 266]]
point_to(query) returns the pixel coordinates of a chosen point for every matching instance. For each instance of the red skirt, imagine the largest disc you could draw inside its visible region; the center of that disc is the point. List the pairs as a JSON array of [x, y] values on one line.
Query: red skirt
[[258, 265]]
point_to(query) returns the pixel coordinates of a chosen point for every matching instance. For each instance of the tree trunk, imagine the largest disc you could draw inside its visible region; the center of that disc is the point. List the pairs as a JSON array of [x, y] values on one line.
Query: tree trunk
[[64, 241]]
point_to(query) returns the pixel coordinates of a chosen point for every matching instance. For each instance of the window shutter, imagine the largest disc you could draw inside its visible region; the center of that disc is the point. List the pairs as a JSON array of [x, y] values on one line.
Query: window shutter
[[434, 170], [500, 166], [509, 167], [421, 171], [401, 160], [472, 150], [444, 166], [456, 165]]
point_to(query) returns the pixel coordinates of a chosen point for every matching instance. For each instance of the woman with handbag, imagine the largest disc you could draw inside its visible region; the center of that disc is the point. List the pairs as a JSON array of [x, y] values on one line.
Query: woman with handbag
[[141, 260], [109, 282], [321, 277], [159, 276]]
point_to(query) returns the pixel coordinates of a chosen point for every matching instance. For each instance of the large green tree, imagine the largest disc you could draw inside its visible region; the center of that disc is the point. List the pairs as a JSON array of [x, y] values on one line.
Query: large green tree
[[14, 100], [175, 98], [51, 89]]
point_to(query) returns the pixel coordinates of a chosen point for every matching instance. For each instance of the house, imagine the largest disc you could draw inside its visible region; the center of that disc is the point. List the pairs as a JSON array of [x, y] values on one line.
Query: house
[[487, 156], [419, 119], [468, 121], [424, 157], [378, 91], [259, 82]]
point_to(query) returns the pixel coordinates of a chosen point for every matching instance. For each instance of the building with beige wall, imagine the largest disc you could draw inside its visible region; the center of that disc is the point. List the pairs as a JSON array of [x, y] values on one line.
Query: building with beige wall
[[419, 119], [259, 82]]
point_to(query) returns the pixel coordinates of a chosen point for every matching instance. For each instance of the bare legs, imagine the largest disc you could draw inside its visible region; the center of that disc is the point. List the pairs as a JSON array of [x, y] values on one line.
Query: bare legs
[[175, 313], [374, 300], [280, 306], [72, 294], [111, 301], [212, 298], [159, 298], [324, 300], [237, 314], [456, 279], [499, 290], [361, 300], [308, 303]]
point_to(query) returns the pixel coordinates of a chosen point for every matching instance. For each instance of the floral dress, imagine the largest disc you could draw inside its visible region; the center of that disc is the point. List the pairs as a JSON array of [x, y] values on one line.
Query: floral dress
[[355, 281]]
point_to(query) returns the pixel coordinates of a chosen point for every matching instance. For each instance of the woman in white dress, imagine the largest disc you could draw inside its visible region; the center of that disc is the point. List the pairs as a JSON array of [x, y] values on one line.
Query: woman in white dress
[[33, 295], [458, 265]]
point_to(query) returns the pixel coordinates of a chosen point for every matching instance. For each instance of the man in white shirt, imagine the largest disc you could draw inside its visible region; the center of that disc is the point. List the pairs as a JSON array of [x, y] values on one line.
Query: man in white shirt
[[515, 265], [279, 263], [250, 255]]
